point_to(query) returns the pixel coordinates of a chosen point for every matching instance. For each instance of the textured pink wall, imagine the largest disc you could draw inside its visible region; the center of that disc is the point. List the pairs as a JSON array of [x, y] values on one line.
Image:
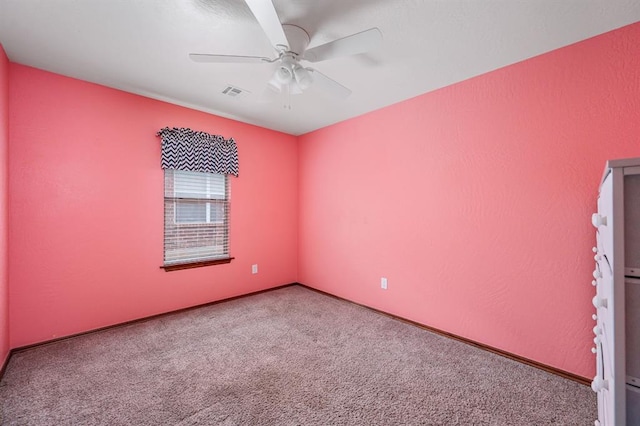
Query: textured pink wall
[[475, 200], [4, 144], [86, 215]]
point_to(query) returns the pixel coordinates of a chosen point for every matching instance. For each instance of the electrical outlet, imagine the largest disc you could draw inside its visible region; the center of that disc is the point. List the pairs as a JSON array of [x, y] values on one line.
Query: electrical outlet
[[383, 283], [254, 269]]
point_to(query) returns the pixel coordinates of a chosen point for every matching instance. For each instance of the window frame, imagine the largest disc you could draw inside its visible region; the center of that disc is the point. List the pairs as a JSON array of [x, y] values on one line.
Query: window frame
[[173, 197]]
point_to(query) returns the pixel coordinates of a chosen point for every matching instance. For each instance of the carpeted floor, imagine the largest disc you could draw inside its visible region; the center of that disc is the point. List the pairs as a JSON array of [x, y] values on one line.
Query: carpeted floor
[[290, 356]]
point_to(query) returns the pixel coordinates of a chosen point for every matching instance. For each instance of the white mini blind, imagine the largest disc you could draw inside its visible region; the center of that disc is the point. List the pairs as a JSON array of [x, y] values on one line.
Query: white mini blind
[[196, 216]]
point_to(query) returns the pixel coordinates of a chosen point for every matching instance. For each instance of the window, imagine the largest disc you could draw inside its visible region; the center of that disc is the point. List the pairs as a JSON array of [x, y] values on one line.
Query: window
[[196, 217]]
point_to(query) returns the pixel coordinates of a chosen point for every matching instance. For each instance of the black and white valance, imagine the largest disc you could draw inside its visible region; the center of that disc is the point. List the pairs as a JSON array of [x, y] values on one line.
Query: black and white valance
[[194, 151]]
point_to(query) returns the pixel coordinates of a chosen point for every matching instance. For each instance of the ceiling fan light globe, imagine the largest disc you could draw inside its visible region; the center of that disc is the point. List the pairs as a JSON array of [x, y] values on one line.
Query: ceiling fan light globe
[[274, 83], [274, 86], [295, 89], [303, 77], [283, 75]]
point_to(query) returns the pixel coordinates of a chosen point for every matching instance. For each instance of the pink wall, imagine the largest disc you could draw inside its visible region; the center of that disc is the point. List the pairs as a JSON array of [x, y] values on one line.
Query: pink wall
[[4, 210], [475, 200], [86, 237]]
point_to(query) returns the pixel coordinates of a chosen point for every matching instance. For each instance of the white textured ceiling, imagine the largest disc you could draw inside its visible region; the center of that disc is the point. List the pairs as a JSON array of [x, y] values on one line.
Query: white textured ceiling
[[142, 46]]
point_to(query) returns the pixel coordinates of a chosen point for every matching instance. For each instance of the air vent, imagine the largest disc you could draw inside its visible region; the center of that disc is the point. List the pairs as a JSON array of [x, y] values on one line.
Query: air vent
[[235, 92]]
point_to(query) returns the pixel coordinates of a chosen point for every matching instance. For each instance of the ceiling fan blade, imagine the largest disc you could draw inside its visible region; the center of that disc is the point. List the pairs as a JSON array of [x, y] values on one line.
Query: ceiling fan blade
[[267, 17], [327, 85], [203, 57], [350, 45]]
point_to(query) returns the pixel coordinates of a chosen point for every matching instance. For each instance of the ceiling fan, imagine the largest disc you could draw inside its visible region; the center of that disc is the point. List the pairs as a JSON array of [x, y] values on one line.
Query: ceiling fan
[[290, 43]]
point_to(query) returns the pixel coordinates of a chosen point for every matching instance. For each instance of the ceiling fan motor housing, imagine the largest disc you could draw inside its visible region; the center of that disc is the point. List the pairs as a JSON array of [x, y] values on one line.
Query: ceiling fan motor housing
[[298, 39]]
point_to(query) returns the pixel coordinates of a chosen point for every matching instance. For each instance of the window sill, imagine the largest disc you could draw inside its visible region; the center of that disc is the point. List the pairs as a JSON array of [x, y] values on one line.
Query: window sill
[[178, 266]]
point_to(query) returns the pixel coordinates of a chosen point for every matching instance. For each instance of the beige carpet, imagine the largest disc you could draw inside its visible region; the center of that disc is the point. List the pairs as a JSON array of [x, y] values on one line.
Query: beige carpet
[[290, 356]]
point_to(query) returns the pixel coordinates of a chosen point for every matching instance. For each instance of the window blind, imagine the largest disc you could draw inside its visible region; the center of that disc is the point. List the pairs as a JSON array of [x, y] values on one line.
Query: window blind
[[196, 222]]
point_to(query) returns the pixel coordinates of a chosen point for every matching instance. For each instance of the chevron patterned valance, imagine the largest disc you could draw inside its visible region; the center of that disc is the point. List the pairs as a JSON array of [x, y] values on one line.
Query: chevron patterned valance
[[186, 149]]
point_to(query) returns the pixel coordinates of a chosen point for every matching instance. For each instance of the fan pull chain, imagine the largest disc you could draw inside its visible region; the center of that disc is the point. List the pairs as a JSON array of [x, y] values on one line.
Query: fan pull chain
[[287, 105]]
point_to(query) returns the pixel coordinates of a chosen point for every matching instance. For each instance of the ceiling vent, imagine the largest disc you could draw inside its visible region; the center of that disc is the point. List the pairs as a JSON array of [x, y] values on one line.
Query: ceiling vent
[[235, 92]]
